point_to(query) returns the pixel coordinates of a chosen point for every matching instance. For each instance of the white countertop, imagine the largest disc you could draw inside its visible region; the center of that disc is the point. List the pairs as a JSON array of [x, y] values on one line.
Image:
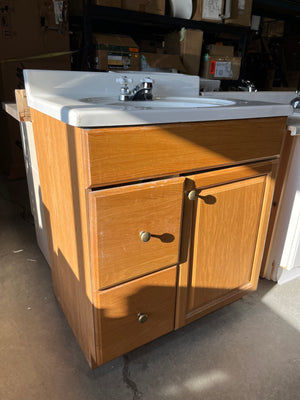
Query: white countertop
[[65, 95], [271, 96]]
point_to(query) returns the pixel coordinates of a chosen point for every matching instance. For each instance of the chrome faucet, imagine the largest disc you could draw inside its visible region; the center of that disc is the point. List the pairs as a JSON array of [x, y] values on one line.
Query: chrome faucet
[[141, 92], [247, 86], [296, 101]]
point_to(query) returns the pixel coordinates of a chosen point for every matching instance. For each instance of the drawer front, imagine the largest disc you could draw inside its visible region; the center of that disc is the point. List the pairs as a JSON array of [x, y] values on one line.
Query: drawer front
[[129, 153], [132, 314], [117, 218]]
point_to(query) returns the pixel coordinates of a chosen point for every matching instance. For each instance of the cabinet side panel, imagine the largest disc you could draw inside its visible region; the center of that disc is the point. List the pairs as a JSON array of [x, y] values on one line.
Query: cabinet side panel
[[268, 266], [60, 162]]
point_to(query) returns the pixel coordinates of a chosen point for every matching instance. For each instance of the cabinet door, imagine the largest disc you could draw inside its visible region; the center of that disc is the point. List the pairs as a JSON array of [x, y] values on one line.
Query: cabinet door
[[225, 220], [118, 216]]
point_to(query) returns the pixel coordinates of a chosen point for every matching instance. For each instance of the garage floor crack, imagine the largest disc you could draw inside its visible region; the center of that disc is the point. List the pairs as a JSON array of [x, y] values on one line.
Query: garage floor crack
[[129, 382]]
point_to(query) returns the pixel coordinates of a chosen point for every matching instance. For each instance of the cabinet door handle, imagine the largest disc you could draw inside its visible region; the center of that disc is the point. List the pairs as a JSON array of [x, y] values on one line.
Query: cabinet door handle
[[208, 199], [142, 317], [145, 236], [192, 195]]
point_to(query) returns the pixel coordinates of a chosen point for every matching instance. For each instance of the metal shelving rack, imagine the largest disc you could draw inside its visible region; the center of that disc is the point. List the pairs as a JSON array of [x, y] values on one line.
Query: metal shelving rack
[[283, 9], [96, 18]]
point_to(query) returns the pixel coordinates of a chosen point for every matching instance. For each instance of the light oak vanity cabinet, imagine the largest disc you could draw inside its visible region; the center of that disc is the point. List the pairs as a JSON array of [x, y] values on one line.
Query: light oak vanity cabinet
[[151, 227]]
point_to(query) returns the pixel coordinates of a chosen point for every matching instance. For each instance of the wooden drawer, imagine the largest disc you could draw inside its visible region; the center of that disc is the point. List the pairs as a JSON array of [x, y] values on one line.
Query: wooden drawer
[[119, 215], [117, 312], [129, 153]]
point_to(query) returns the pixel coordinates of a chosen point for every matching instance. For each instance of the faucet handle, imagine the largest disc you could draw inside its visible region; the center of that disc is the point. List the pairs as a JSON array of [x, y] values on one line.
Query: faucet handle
[[147, 83], [124, 80], [125, 92], [147, 79]]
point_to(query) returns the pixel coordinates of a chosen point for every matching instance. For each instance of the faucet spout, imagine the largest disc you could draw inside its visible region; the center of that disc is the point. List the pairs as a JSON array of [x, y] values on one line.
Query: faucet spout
[[295, 103], [142, 95]]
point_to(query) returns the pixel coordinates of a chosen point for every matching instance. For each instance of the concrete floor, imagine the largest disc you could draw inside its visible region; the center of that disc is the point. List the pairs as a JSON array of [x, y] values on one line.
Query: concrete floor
[[249, 350]]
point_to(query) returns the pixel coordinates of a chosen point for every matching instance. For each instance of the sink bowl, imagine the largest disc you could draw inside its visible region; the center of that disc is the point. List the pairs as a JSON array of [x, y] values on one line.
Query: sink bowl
[[166, 102]]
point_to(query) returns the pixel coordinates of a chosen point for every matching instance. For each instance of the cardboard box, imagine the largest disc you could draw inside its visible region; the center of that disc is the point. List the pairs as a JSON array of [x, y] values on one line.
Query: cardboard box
[[30, 30], [116, 52], [11, 73], [220, 67], [32, 27], [241, 11], [188, 44], [154, 62], [147, 6], [212, 10], [272, 28], [220, 50], [11, 78], [76, 6], [208, 10], [151, 45], [108, 3]]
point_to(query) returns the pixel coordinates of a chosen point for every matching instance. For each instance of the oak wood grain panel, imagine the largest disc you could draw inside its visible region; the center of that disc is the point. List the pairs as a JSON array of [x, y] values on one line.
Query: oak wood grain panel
[[185, 257], [118, 215], [130, 153], [23, 109], [60, 162], [227, 238], [116, 313]]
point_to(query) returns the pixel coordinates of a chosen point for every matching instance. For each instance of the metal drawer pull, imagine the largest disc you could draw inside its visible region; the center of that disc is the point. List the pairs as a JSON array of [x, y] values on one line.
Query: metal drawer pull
[[209, 199], [142, 318], [145, 236], [192, 195]]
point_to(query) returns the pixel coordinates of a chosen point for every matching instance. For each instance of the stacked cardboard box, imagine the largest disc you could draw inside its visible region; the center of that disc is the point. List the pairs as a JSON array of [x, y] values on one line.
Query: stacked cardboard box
[[116, 52], [157, 62], [148, 6], [208, 10], [32, 27], [216, 11], [187, 43], [179, 51], [220, 63], [108, 3], [34, 35], [240, 14], [272, 27]]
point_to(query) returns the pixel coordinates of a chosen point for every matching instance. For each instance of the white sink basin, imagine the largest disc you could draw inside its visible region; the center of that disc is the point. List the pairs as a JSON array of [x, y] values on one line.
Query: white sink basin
[[156, 103], [90, 99]]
